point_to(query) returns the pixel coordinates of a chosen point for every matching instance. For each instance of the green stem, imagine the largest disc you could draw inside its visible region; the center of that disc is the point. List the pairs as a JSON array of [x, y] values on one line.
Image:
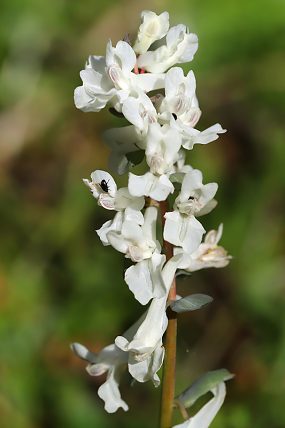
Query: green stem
[[168, 378]]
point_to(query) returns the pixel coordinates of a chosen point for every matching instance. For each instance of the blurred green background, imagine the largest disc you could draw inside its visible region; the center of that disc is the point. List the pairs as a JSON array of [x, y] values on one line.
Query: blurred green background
[[59, 285]]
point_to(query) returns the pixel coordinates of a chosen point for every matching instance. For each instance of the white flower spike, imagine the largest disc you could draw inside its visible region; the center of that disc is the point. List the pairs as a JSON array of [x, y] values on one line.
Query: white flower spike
[[138, 82]]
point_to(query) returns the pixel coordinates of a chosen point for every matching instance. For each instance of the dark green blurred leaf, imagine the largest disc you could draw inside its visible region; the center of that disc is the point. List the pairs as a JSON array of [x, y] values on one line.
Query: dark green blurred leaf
[[135, 158]]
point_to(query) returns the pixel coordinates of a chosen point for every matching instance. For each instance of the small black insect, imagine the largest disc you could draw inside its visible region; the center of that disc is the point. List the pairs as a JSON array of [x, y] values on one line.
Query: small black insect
[[191, 198], [104, 185], [175, 116]]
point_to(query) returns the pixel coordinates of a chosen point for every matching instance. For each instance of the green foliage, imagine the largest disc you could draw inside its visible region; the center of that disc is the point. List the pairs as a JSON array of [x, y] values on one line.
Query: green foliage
[[191, 303], [201, 386]]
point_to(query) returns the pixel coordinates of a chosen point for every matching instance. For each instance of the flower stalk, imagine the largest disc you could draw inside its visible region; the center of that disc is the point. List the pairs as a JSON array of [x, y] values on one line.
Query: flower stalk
[[169, 366], [168, 377]]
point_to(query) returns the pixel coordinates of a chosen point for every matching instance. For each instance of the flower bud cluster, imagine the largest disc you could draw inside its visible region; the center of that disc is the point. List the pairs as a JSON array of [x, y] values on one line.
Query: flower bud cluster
[[139, 82]]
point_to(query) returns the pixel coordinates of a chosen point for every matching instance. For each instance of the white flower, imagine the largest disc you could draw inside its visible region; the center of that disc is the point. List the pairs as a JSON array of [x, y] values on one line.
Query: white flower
[[180, 47], [180, 106], [180, 98], [183, 231], [192, 136], [144, 278], [111, 79], [209, 253], [144, 370], [97, 88], [110, 225], [181, 227], [120, 61], [196, 198], [140, 111], [111, 360], [205, 416], [128, 213], [162, 147], [136, 241], [145, 348], [147, 339], [104, 189], [156, 187], [149, 333], [152, 28], [124, 200]]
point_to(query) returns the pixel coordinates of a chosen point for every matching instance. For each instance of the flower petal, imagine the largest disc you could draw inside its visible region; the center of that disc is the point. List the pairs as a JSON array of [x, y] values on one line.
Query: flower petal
[[149, 82], [138, 184], [131, 111], [83, 353], [208, 207], [125, 200], [150, 332], [149, 226], [117, 241], [114, 225], [110, 394], [126, 55], [139, 281], [132, 232], [152, 28], [183, 231], [172, 227], [100, 177], [144, 279], [210, 134], [146, 369], [134, 215], [180, 47], [161, 188]]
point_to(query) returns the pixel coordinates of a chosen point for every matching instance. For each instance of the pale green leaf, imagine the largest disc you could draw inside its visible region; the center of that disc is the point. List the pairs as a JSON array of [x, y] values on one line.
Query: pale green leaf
[[191, 303], [201, 386]]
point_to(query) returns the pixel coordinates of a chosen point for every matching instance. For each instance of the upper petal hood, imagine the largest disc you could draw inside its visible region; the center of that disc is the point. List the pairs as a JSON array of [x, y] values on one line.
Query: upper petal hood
[[152, 28], [157, 187]]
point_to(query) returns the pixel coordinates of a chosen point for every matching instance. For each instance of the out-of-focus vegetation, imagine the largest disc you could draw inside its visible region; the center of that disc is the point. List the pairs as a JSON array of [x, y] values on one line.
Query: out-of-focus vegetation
[[59, 285]]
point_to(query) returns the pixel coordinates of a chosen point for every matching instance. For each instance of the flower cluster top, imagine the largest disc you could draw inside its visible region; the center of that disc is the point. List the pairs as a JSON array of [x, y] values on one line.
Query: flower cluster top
[[141, 83]]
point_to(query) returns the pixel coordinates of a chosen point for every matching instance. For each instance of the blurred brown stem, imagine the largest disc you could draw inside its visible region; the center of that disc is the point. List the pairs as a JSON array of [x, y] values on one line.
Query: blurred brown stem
[[168, 379]]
